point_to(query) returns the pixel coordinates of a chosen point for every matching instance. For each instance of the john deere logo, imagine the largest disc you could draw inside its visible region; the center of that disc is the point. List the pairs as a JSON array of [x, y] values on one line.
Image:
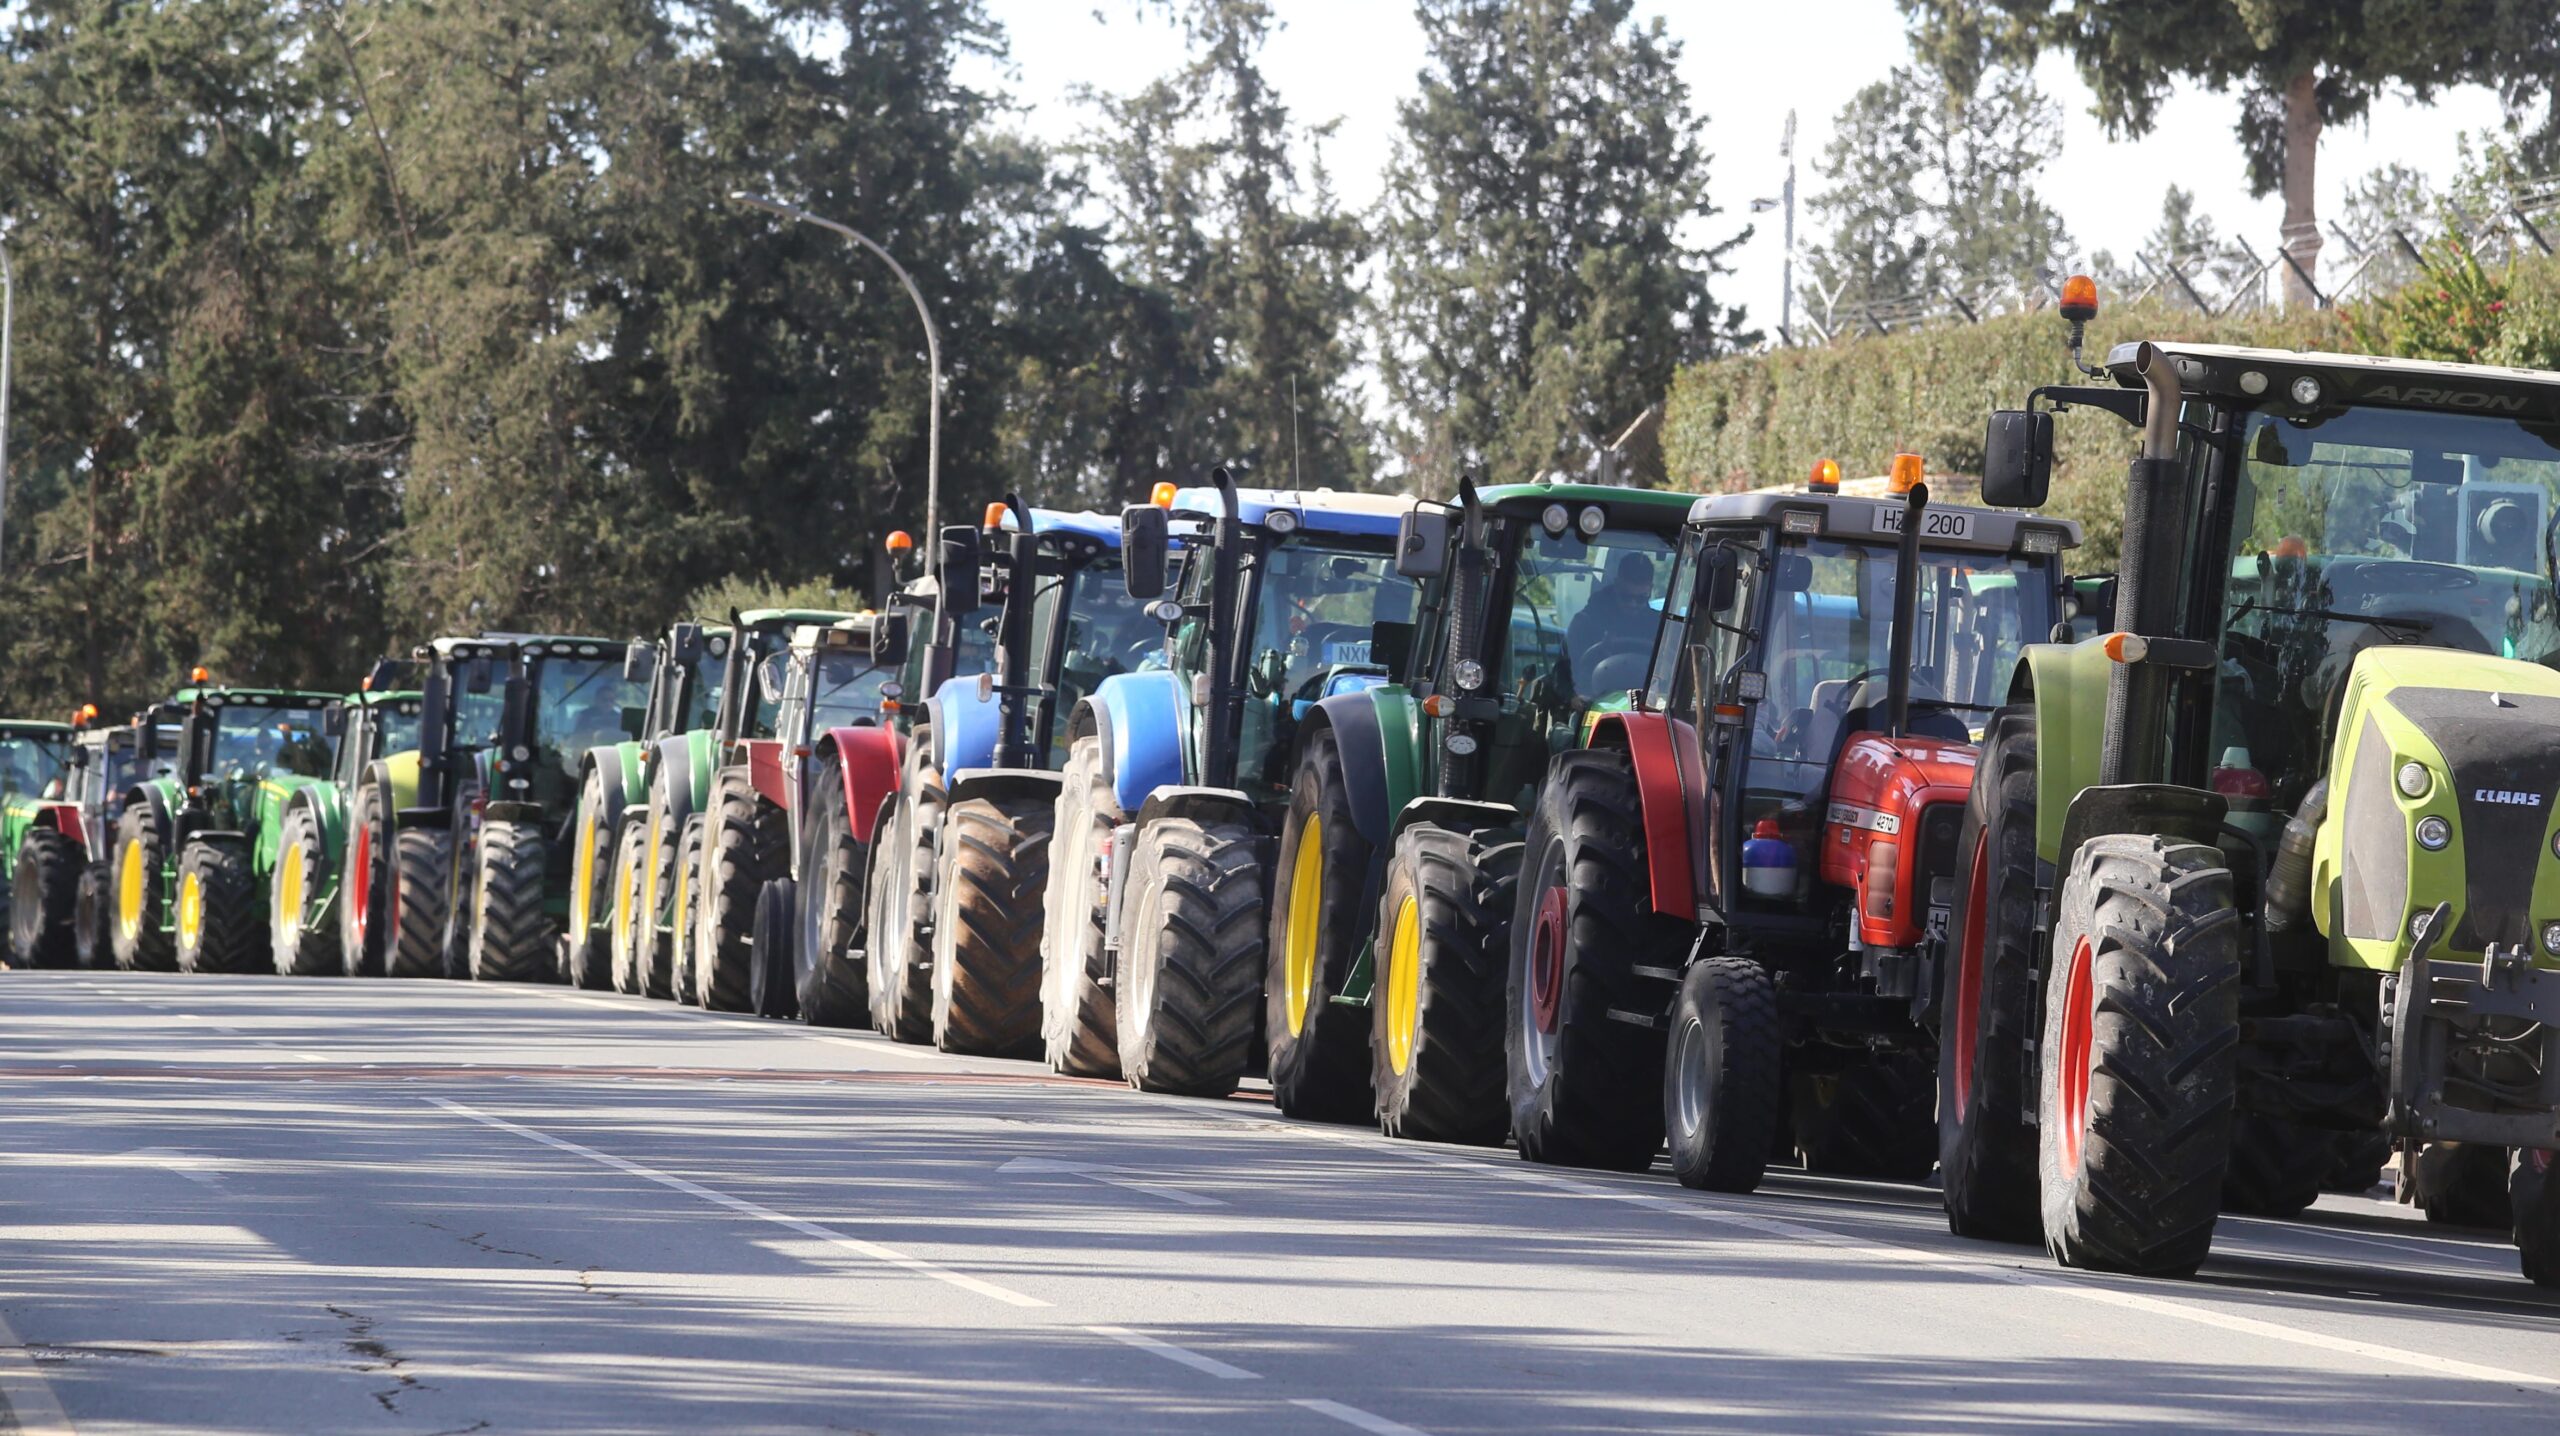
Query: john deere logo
[[2506, 795]]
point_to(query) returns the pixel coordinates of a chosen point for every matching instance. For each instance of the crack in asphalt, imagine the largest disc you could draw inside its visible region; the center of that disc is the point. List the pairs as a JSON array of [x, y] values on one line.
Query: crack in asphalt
[[586, 1275], [359, 1339]]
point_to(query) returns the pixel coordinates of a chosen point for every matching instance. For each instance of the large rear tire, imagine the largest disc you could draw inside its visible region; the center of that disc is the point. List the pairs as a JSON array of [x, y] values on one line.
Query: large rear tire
[[900, 938], [586, 955], [1079, 1021], [623, 923], [2533, 1204], [1317, 1053], [302, 920], [367, 888], [741, 852], [771, 991], [1721, 1078], [2463, 1184], [2142, 1030], [662, 875], [986, 934], [143, 942], [93, 934], [1986, 1150], [513, 937], [1874, 1118], [1586, 1089], [1191, 957], [834, 981], [1435, 1036], [682, 985], [419, 857], [218, 929], [44, 900]]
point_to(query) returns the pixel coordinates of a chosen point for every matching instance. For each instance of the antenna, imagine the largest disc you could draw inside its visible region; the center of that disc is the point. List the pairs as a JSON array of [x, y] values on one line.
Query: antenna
[[1297, 480]]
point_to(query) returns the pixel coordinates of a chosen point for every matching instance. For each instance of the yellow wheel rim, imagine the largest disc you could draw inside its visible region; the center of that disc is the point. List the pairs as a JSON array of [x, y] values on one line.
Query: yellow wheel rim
[[1306, 900], [649, 876], [190, 910], [683, 908], [582, 881], [622, 907], [129, 887], [289, 889], [1404, 986]]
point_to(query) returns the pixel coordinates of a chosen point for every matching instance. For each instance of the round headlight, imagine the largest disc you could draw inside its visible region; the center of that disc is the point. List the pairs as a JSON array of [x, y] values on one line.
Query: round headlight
[[2415, 780], [2253, 383], [520, 753], [1552, 518], [2306, 391], [2551, 937], [1469, 673], [1591, 521], [1165, 610], [1281, 521], [1462, 744], [2434, 833]]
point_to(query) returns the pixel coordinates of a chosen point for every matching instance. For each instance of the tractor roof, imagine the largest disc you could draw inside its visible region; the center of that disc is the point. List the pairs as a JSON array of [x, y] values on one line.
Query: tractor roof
[[1326, 511], [2225, 370], [1855, 518], [789, 617], [1102, 528], [367, 698], [1627, 508], [32, 728], [271, 697]]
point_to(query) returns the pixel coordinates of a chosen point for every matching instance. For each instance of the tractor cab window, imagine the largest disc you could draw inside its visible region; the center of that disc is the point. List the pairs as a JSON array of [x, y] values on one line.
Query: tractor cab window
[[31, 764], [1108, 632], [844, 688], [579, 703], [702, 706], [395, 729], [479, 698], [2360, 528], [253, 740], [1584, 613], [1314, 616]]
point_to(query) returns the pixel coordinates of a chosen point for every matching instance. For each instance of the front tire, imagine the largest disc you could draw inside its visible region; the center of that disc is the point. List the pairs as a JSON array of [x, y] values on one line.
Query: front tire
[[367, 888], [771, 991], [741, 852], [1191, 957], [1315, 1046], [1435, 1037], [1721, 1079], [901, 944], [587, 958], [2278, 1167], [1079, 1020], [623, 922], [681, 984], [2533, 1200], [419, 857], [1871, 1119], [93, 932], [986, 934], [143, 942], [513, 938], [1986, 1150], [2142, 1027], [217, 910], [833, 979], [44, 900], [301, 924]]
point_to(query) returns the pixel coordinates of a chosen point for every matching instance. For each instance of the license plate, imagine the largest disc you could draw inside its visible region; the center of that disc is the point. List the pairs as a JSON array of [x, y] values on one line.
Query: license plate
[[1938, 917], [1934, 523]]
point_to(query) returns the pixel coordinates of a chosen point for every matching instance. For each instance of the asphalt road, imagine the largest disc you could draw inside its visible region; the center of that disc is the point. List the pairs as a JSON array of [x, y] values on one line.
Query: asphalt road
[[239, 1204]]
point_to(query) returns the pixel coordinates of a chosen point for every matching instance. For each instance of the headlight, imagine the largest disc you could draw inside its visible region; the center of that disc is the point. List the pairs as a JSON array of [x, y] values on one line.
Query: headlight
[[1552, 518], [2306, 391], [520, 753], [1462, 744], [1591, 521], [1281, 521], [1469, 673], [2434, 833], [2415, 780], [2551, 937]]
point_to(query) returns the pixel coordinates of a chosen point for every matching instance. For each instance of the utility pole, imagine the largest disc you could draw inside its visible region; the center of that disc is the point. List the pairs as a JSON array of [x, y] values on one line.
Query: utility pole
[[1786, 202], [8, 317]]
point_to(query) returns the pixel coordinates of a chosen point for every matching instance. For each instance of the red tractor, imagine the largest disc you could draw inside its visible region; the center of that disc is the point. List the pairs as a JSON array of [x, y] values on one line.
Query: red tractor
[[1733, 900]]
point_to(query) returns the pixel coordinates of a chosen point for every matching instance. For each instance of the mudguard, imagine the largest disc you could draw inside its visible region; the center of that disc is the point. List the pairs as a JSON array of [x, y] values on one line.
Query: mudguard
[[1647, 740], [63, 818], [1360, 734], [274, 796], [765, 771], [868, 758], [1003, 783], [964, 725], [622, 766], [1146, 723], [1200, 805], [329, 809], [2067, 685], [681, 754]]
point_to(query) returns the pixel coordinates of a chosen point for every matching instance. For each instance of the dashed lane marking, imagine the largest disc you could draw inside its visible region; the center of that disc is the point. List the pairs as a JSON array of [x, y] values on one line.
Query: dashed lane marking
[[1368, 1421], [1182, 1356]]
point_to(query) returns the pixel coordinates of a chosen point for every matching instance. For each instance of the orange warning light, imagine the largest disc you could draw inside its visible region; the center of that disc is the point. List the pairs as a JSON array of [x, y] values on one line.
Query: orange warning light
[[2079, 299], [1907, 470], [1826, 477]]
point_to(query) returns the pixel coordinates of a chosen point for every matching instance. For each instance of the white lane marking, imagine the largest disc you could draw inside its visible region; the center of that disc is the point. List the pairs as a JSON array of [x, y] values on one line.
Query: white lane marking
[[31, 1403], [2449, 1251], [1179, 1355], [1116, 1176], [192, 1166], [873, 1250], [1353, 1416], [307, 1057]]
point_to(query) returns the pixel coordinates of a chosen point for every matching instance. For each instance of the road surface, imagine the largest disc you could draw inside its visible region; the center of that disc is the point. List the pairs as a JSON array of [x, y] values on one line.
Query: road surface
[[238, 1204]]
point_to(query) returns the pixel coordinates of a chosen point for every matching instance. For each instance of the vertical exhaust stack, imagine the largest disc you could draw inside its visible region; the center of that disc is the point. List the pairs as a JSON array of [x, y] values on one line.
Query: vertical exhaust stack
[[2133, 750], [1906, 593], [1227, 660]]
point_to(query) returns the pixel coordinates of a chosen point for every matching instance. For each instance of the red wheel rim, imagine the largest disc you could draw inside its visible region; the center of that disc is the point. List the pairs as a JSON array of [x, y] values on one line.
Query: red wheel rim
[[2079, 1050], [360, 886], [1964, 1023], [1546, 961]]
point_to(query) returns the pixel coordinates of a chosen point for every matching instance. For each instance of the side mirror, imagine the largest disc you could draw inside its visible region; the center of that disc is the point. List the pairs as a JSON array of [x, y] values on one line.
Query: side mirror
[[684, 643], [1391, 645], [639, 661], [889, 640], [333, 721], [1144, 543], [2017, 458], [1719, 576], [1422, 543], [958, 570]]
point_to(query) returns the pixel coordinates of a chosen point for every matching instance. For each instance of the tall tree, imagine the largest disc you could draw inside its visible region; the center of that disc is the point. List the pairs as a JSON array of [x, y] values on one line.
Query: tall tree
[[1542, 226], [2300, 67]]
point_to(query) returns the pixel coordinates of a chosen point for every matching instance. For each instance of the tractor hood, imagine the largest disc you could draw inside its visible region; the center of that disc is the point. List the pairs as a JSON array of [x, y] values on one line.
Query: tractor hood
[[1889, 829], [2443, 787]]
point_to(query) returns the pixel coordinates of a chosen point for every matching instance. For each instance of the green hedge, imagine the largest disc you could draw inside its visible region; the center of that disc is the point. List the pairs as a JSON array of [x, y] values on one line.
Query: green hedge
[[1762, 419]]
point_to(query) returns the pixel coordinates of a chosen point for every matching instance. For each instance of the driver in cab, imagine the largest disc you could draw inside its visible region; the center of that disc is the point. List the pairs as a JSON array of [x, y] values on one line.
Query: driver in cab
[[1619, 612]]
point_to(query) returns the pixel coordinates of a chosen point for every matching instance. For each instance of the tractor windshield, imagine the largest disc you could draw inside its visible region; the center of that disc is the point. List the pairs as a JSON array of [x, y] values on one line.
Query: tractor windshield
[[2362, 527], [255, 740], [702, 701], [478, 696], [1314, 615], [31, 764], [1828, 652], [846, 688], [395, 729], [1108, 632], [1583, 614], [579, 703]]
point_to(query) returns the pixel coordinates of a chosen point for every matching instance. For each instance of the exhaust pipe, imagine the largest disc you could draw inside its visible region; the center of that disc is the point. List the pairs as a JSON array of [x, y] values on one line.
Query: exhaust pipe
[[2134, 745]]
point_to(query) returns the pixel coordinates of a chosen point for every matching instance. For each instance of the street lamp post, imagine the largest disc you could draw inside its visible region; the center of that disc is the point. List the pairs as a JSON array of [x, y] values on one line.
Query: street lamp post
[[8, 316], [932, 346], [1787, 261]]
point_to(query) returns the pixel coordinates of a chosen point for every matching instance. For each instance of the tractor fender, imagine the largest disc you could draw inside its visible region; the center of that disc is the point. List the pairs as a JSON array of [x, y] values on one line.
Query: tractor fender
[[964, 721], [2065, 684], [868, 757], [1663, 790], [160, 798], [1146, 722], [1375, 750], [1204, 805], [1458, 815], [328, 808], [765, 771], [222, 838], [622, 775], [1003, 783], [688, 787]]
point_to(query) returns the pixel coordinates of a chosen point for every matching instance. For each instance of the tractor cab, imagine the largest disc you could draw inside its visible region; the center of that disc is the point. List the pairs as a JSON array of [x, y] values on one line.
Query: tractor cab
[[34, 759], [235, 740], [37, 869]]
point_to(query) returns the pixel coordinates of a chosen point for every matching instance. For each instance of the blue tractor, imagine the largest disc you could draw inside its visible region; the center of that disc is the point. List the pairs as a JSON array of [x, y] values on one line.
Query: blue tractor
[[1036, 615], [1176, 779]]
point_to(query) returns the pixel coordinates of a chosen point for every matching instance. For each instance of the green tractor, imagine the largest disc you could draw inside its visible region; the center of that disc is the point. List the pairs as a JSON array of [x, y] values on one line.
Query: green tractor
[[42, 852], [1401, 841], [683, 668], [194, 847], [107, 763], [505, 721], [328, 913], [2278, 859]]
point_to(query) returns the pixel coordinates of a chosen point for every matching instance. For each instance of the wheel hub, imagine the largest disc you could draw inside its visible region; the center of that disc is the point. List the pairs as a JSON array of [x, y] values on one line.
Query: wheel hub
[[1546, 961], [2079, 1051], [1965, 1020]]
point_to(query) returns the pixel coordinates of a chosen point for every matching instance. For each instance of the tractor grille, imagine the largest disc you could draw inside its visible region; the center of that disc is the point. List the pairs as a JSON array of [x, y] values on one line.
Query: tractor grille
[[1940, 826], [2499, 744]]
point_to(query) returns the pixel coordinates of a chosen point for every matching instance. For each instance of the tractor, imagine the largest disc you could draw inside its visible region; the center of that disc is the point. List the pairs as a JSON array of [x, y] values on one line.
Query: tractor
[[1732, 898], [682, 669], [1178, 778], [194, 846], [2275, 863], [108, 761], [320, 859], [806, 715], [963, 876], [42, 847], [504, 721], [1402, 837]]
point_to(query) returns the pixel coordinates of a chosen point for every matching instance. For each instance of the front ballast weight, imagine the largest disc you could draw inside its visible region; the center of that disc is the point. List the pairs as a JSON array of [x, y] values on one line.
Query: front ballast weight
[[2472, 1049]]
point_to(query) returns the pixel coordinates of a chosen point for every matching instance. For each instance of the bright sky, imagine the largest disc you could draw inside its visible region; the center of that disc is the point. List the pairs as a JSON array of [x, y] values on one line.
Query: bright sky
[[1747, 64]]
